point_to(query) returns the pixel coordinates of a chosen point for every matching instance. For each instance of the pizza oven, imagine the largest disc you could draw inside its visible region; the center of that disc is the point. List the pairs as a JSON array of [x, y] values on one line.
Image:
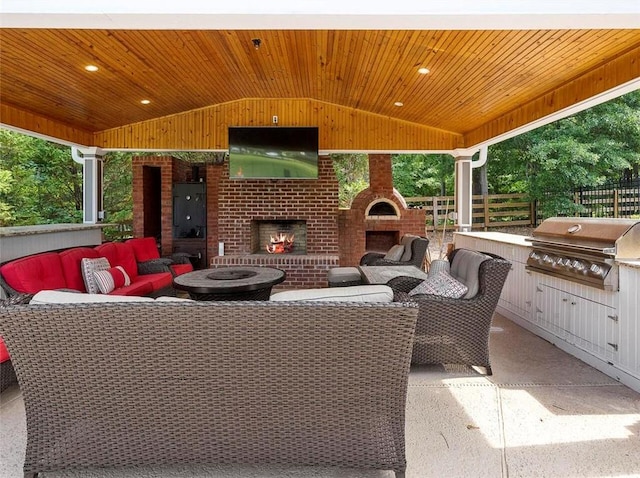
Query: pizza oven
[[584, 250]]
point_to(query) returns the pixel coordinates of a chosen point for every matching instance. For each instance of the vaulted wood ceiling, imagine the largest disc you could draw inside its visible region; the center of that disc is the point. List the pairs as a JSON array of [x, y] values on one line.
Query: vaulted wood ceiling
[[481, 83]]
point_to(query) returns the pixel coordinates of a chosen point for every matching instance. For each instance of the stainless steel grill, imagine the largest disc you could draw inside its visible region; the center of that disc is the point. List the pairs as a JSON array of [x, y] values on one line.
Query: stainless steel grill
[[584, 250]]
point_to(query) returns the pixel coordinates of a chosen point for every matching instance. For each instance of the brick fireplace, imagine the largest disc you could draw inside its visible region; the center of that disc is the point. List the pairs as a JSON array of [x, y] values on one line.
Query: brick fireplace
[[378, 216], [247, 212]]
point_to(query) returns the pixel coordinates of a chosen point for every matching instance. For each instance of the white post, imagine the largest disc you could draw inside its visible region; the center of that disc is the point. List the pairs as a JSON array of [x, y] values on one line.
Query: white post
[[463, 196], [92, 195]]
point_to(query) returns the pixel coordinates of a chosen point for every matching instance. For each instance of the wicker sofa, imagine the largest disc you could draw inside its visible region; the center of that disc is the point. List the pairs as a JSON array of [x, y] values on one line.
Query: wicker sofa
[[148, 272], [294, 383]]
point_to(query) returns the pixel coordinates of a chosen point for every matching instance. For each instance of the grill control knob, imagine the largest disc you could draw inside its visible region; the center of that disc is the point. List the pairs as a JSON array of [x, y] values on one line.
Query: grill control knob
[[577, 265], [596, 270]]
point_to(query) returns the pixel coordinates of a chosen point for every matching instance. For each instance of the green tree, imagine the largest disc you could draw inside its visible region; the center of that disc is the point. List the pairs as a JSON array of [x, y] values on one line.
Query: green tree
[[352, 172], [423, 174], [588, 149], [118, 177], [44, 185]]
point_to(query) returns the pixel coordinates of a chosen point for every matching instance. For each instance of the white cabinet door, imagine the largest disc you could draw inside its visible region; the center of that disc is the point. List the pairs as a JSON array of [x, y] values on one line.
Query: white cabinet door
[[589, 325], [552, 306], [595, 329]]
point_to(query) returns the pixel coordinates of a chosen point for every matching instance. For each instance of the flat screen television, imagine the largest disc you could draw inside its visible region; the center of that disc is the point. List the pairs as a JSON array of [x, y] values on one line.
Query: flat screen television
[[273, 152]]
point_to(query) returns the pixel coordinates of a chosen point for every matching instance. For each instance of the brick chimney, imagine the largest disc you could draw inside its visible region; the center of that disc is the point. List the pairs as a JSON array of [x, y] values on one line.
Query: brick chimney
[[380, 177]]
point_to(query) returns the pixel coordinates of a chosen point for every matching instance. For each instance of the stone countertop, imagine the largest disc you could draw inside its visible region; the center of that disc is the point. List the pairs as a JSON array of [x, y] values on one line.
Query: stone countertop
[[503, 237], [635, 263], [47, 229]]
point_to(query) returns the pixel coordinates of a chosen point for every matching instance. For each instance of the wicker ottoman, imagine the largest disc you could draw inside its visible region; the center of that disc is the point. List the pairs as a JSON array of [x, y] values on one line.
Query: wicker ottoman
[[344, 276]]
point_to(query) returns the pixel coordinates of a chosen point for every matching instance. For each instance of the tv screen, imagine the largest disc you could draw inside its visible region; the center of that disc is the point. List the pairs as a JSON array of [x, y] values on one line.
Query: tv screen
[[273, 152]]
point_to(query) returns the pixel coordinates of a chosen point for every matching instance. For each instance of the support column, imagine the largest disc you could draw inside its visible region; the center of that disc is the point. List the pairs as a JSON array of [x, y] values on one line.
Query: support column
[[92, 185], [463, 193]]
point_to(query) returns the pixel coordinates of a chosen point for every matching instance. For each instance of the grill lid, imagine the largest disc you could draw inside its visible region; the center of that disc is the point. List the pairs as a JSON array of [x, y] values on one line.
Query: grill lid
[[618, 237]]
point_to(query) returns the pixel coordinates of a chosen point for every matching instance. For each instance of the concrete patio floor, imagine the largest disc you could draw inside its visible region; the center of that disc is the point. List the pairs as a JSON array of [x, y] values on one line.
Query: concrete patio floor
[[542, 414]]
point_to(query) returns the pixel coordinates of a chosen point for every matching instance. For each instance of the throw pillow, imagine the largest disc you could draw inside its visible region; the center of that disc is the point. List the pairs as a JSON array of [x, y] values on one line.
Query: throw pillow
[[111, 279], [395, 253], [441, 283], [88, 267]]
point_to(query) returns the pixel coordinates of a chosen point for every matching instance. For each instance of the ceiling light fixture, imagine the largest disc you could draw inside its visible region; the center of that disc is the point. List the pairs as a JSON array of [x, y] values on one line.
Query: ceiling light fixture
[[145, 102], [398, 103], [91, 68], [256, 43], [424, 71]]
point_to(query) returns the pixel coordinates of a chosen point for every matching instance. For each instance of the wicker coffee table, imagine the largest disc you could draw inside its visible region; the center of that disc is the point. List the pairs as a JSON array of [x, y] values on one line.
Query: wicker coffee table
[[230, 283]]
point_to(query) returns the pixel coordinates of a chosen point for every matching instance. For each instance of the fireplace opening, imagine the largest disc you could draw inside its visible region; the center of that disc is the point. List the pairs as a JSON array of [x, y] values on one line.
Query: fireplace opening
[[278, 237], [381, 241], [382, 207]]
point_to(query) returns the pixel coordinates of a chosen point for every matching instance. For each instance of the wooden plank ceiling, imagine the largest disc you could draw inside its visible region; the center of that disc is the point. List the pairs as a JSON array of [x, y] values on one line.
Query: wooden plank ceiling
[[476, 77]]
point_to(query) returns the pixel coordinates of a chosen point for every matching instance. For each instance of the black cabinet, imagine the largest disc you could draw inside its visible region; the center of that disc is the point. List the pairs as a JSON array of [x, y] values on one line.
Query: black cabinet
[[189, 211], [190, 221]]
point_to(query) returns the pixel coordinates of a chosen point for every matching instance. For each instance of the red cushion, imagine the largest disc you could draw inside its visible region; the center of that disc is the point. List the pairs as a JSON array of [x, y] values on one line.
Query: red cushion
[[120, 254], [4, 353], [145, 284], [35, 273], [144, 248], [179, 269], [70, 260]]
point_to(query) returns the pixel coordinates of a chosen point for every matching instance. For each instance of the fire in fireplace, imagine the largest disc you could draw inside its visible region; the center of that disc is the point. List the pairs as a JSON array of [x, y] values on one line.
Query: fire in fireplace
[[279, 236], [280, 244]]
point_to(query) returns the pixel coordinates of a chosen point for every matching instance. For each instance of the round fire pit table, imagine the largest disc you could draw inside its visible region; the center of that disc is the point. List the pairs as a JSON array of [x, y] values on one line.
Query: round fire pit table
[[230, 283]]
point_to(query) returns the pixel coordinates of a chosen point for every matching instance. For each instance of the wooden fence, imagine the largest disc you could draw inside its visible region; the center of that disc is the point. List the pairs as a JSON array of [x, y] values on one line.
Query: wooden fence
[[493, 210]]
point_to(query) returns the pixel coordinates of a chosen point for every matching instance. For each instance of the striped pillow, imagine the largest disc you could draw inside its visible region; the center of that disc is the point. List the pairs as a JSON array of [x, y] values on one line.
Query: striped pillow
[[88, 267], [111, 279]]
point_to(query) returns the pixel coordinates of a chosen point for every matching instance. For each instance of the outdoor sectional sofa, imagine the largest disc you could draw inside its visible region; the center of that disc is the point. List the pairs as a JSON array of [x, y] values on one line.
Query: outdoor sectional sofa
[[260, 383], [149, 275]]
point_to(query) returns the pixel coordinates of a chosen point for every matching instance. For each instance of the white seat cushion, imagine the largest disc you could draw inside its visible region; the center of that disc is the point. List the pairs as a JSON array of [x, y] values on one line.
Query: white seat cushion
[[356, 293], [62, 297]]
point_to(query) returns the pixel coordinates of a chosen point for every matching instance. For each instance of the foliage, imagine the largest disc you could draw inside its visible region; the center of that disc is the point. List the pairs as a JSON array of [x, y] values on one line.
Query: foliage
[[597, 145], [423, 174], [118, 177], [352, 171], [43, 184]]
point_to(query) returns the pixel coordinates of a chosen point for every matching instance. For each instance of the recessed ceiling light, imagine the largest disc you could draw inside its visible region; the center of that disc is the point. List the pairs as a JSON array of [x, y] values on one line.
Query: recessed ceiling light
[[423, 71], [145, 102], [399, 103], [91, 68]]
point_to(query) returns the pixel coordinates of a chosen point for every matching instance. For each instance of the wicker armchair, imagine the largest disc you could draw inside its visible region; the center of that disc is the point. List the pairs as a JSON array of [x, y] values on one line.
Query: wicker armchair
[[418, 246], [456, 331]]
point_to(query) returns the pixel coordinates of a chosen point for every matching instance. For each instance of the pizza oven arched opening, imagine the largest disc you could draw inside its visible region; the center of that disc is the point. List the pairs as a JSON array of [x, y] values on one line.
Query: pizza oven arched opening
[[382, 209]]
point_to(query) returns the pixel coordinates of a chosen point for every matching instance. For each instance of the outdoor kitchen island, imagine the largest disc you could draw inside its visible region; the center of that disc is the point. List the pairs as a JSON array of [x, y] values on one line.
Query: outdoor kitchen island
[[600, 327]]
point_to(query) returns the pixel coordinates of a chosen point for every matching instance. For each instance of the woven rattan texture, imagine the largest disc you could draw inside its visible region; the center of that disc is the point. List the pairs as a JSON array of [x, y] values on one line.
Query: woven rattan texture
[[456, 331], [7, 373], [242, 382]]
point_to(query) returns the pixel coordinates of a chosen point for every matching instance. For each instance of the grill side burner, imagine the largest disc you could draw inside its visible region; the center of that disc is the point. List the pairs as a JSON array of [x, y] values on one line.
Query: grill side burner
[[584, 250]]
